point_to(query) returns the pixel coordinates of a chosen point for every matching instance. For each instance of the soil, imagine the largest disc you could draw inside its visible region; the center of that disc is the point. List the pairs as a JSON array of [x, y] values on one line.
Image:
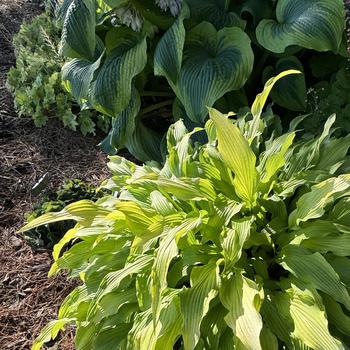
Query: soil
[[28, 299]]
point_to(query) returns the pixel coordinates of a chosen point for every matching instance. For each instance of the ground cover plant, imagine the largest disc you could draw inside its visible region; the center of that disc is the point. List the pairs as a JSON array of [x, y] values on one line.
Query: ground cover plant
[[35, 81], [242, 242], [136, 60]]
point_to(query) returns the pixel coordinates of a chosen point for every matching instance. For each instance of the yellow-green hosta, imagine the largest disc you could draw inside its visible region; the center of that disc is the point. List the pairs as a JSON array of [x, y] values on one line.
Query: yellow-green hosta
[[241, 243]]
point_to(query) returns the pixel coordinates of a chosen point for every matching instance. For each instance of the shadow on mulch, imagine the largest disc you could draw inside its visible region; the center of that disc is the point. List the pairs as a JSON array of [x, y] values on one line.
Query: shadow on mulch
[[28, 299]]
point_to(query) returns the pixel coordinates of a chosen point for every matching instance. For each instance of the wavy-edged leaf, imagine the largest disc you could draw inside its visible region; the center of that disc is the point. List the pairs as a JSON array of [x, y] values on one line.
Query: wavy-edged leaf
[[312, 24], [111, 90], [257, 9], [274, 157], [311, 326], [234, 240], [336, 315], [144, 143], [241, 297], [77, 76], [169, 51], [167, 251], [50, 331], [84, 212], [123, 125], [78, 34], [214, 63], [195, 301], [316, 272], [111, 282], [312, 204], [261, 99], [237, 154], [216, 12], [145, 335], [289, 92]]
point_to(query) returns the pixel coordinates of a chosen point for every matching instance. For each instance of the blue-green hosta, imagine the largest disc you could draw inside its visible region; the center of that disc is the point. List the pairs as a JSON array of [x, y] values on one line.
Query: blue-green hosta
[[121, 50], [241, 243]]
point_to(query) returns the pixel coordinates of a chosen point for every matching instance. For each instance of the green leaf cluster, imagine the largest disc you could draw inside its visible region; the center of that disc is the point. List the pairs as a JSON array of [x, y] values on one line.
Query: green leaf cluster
[[36, 83], [240, 243], [332, 96], [193, 54]]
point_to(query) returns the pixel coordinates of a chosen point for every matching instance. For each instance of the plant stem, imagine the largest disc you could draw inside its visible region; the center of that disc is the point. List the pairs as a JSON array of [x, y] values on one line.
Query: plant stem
[[155, 107]]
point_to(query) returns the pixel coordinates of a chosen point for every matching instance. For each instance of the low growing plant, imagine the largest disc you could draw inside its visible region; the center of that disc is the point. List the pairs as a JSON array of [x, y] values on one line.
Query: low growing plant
[[241, 243], [133, 60], [35, 81]]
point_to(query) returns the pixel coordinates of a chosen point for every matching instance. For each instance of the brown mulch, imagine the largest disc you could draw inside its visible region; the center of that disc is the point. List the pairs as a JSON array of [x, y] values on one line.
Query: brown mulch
[[28, 299]]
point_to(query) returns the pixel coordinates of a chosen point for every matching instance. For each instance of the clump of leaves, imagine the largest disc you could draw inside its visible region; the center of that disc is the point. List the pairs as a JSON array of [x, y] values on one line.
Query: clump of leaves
[[36, 82], [241, 243], [54, 201], [189, 54], [331, 96]]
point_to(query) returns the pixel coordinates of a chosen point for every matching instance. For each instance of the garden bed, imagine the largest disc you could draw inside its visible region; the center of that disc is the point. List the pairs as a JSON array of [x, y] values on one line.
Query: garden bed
[[27, 298]]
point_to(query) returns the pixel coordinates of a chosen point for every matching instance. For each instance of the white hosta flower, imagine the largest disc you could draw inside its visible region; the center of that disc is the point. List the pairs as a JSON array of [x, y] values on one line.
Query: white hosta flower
[[128, 16], [173, 5]]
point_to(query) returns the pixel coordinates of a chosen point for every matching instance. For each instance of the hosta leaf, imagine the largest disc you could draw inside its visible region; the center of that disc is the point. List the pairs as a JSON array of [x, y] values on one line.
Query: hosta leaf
[[268, 340], [77, 76], [78, 34], [234, 240], [311, 326], [336, 315], [275, 311], [169, 51], [216, 12], [333, 153], [112, 280], [289, 92], [274, 157], [111, 337], [336, 244], [312, 204], [111, 91], [144, 143], [241, 297], [314, 270], [258, 9], [188, 188], [84, 212], [261, 99], [123, 125], [50, 331], [195, 302], [237, 154], [167, 251], [214, 62], [312, 24], [145, 335]]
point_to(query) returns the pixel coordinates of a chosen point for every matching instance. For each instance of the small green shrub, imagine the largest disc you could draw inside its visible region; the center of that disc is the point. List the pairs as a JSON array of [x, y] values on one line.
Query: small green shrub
[[241, 243], [36, 82], [54, 201], [125, 55]]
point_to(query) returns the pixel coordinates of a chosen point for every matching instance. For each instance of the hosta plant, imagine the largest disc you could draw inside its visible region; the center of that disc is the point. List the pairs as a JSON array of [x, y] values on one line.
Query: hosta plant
[[132, 59], [240, 243]]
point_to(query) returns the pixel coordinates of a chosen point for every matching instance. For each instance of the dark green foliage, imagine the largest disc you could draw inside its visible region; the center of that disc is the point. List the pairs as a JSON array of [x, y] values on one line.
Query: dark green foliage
[[192, 54], [36, 83], [329, 97], [71, 191]]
